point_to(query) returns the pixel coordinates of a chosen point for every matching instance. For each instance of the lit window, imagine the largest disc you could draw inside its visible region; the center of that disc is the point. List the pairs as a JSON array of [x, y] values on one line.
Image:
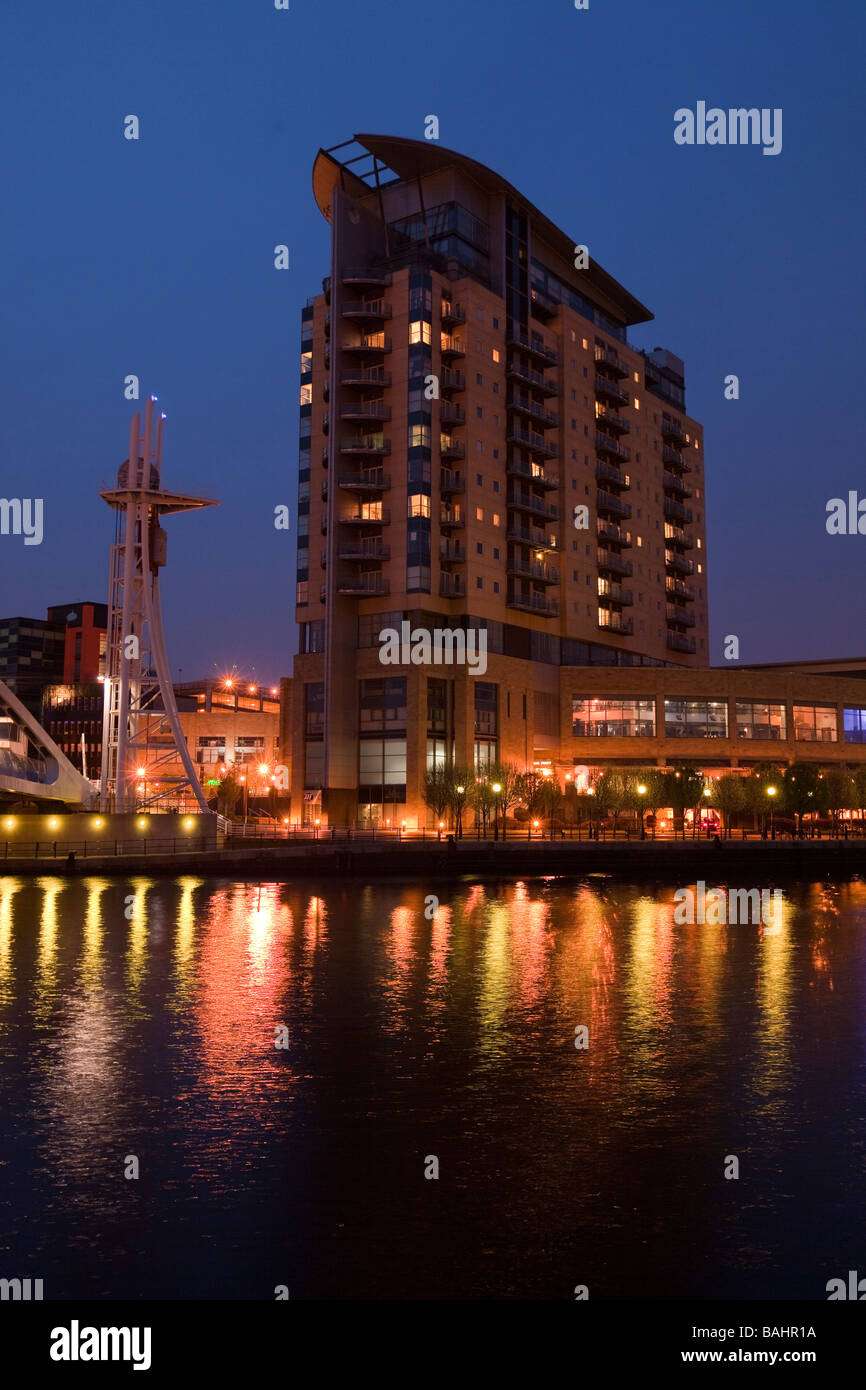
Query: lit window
[[495, 518], [496, 355], [419, 332], [419, 504], [636, 403], [584, 344], [479, 514]]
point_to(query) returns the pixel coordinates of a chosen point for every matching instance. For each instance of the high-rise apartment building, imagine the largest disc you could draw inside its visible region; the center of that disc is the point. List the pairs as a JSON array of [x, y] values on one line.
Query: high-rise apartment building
[[480, 450]]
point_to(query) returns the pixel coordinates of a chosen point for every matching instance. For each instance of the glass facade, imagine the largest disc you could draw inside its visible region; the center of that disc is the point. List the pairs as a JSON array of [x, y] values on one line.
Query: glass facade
[[815, 723], [855, 724], [696, 719]]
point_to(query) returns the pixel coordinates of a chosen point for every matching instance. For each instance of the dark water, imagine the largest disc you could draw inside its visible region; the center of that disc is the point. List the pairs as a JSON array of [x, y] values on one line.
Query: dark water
[[410, 1038]]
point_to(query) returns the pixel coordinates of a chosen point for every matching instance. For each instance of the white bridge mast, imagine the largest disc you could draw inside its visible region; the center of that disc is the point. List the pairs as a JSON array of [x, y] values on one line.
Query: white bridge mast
[[140, 721]]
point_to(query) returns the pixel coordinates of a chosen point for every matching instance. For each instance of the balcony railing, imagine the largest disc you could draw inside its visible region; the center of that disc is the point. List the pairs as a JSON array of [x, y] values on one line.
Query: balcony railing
[[450, 520], [536, 442], [526, 374], [452, 552], [672, 456], [611, 390], [672, 482], [608, 530], [451, 449], [613, 421], [365, 376], [534, 603], [609, 472], [671, 429], [610, 360], [542, 302], [452, 586], [674, 536], [534, 346], [366, 444], [368, 342], [450, 413], [605, 445], [366, 309], [452, 313], [451, 481], [613, 563], [366, 275], [370, 480], [521, 469], [363, 518], [675, 614], [537, 505], [451, 380], [611, 621], [452, 347], [676, 586], [371, 548], [678, 642], [364, 586], [534, 409], [615, 593], [609, 502], [365, 410], [532, 569], [679, 563], [539, 540], [677, 511]]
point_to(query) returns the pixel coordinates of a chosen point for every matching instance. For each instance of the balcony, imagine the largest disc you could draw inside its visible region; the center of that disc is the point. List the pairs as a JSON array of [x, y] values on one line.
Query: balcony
[[534, 346], [451, 348], [610, 503], [365, 376], [671, 482], [452, 313], [450, 481], [370, 480], [678, 642], [323, 559], [365, 410], [517, 372], [534, 603], [615, 422], [678, 563], [613, 563], [366, 275], [451, 380], [611, 391], [673, 430], [366, 310], [534, 409], [615, 593], [450, 413], [611, 621], [325, 455], [610, 362], [539, 540], [364, 518], [605, 445], [325, 490], [369, 548], [674, 536], [518, 468], [450, 520], [536, 505], [451, 448], [364, 586], [542, 304], [672, 456], [609, 531], [681, 590], [675, 614], [369, 342], [532, 569], [609, 473], [536, 442], [371, 444], [452, 586], [451, 552], [677, 512]]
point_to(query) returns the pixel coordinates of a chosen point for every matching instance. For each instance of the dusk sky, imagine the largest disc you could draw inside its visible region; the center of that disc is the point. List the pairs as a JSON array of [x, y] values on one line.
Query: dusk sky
[[156, 258]]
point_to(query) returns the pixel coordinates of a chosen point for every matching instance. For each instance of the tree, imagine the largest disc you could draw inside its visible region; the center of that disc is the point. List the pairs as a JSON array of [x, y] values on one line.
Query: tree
[[436, 792], [685, 789], [839, 792], [509, 779], [756, 795], [803, 792], [729, 797], [654, 780], [551, 801], [227, 794], [532, 786], [460, 786]]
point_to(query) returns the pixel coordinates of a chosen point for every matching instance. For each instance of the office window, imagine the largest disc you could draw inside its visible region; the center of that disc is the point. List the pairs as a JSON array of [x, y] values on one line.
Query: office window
[[756, 719], [371, 624], [815, 723], [854, 719], [419, 332], [614, 717], [382, 705], [696, 719], [211, 749]]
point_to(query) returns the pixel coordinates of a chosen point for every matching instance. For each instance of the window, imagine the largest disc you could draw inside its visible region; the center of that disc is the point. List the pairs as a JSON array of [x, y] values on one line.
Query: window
[[815, 723], [496, 357], [854, 720], [371, 624], [382, 705], [382, 769], [496, 521], [479, 514], [250, 748], [314, 709], [419, 504], [485, 709], [419, 437], [419, 332], [696, 719], [615, 717], [758, 720], [211, 749]]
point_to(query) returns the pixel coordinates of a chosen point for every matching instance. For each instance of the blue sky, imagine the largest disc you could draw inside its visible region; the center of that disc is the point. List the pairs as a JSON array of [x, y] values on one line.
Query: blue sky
[[156, 257]]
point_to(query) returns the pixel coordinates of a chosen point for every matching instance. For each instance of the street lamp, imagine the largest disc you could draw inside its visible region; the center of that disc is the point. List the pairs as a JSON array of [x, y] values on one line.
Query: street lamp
[[458, 825], [771, 792], [641, 791], [496, 789]]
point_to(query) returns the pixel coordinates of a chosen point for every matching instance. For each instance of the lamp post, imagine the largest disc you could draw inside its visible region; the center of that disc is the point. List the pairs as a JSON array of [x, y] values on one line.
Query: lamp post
[[771, 792], [708, 793], [461, 792], [590, 791], [496, 789], [641, 791]]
